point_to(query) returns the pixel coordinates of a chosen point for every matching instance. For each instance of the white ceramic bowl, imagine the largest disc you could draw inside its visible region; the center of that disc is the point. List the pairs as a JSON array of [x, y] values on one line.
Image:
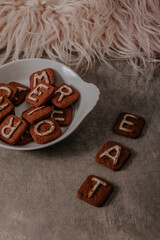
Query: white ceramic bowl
[[19, 71]]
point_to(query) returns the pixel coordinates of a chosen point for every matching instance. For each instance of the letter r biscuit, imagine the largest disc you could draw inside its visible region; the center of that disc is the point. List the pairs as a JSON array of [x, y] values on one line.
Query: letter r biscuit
[[64, 95], [12, 128]]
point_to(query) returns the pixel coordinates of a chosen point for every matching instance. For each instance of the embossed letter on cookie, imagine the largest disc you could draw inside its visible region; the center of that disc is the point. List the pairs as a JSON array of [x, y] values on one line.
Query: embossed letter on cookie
[[45, 131], [33, 114], [112, 155], [43, 76], [95, 191], [6, 107], [63, 116], [12, 128], [64, 95], [40, 95], [8, 91], [129, 125], [21, 94]]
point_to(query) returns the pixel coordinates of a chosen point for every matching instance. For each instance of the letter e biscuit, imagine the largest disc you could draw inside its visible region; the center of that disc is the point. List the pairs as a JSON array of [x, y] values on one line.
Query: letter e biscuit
[[129, 125], [40, 95]]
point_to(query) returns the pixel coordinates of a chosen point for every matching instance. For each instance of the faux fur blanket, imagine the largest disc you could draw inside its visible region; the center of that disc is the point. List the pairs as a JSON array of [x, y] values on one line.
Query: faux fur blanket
[[77, 32]]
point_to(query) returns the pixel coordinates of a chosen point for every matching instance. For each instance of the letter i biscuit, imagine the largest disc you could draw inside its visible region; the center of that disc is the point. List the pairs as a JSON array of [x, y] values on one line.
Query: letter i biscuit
[[21, 94], [43, 76], [12, 128], [113, 155], [35, 114], [95, 191], [129, 125], [64, 95]]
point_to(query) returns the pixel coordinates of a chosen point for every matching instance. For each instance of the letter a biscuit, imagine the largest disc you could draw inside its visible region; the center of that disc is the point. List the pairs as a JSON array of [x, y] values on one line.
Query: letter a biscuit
[[63, 116], [113, 155], [45, 131]]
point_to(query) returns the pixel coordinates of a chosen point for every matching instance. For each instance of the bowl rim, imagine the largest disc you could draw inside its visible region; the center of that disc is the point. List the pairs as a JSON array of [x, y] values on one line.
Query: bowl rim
[[93, 101]]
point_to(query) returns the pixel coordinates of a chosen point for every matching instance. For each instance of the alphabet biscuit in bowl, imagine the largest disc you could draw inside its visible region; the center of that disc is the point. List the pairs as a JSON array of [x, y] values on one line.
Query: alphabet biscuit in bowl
[[23, 69]]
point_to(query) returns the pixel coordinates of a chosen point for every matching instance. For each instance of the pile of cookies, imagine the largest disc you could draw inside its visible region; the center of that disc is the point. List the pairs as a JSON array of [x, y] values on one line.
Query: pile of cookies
[[51, 108], [95, 190]]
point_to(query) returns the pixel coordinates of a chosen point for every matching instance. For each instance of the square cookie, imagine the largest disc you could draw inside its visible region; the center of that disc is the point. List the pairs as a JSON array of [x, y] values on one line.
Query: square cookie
[[129, 125], [113, 155], [25, 138], [64, 95], [21, 94], [6, 108], [63, 116], [42, 76], [36, 114], [95, 191], [45, 131], [8, 91], [40, 95], [12, 128]]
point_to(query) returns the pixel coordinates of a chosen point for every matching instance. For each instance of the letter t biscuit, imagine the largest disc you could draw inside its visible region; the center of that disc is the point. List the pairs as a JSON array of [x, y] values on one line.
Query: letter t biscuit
[[95, 191]]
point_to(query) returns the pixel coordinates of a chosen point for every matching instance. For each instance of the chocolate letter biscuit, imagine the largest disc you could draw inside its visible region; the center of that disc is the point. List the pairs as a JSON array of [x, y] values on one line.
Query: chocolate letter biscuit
[[129, 125], [43, 76], [40, 95], [95, 191], [64, 95], [12, 128], [113, 155], [45, 131], [8, 91], [21, 94], [35, 114]]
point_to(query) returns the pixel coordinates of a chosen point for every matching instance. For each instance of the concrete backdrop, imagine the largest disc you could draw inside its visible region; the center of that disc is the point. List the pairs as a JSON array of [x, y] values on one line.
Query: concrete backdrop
[[38, 188]]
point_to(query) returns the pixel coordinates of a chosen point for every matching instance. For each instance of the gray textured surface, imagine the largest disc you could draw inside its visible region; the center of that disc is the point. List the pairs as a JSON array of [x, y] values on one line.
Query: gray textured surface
[[38, 188]]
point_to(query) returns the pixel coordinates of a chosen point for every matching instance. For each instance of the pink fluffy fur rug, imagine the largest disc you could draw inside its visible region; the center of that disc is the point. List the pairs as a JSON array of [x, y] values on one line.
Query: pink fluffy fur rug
[[78, 32]]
